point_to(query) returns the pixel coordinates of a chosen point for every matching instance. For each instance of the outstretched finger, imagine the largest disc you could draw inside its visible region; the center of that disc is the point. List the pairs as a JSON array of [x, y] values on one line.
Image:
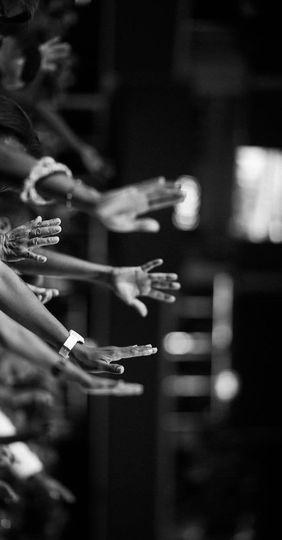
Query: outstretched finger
[[45, 231], [51, 222], [172, 285], [34, 256], [146, 267], [115, 369], [140, 307], [162, 276], [165, 201], [40, 242], [145, 225], [137, 350], [163, 297], [120, 388], [49, 294], [52, 41]]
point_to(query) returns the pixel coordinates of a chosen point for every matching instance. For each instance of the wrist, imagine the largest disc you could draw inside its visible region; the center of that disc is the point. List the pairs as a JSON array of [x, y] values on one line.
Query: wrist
[[101, 273]]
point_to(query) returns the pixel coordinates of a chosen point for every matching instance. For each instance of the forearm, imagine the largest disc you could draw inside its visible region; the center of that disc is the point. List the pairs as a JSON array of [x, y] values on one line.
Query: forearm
[[19, 303], [61, 265], [30, 347], [16, 166], [25, 344]]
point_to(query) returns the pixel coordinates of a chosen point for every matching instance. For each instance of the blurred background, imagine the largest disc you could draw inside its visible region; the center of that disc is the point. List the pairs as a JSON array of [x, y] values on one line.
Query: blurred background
[[192, 90]]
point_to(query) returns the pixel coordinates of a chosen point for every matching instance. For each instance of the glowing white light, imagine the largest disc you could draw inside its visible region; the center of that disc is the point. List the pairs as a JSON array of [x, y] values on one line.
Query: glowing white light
[[186, 213], [178, 343], [181, 343], [258, 194], [226, 385]]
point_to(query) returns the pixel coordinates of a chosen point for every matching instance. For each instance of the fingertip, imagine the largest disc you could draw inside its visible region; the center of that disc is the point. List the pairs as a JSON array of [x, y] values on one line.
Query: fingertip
[[119, 369]]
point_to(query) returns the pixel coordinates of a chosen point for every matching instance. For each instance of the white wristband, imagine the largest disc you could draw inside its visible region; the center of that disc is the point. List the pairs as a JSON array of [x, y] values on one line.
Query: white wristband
[[69, 344]]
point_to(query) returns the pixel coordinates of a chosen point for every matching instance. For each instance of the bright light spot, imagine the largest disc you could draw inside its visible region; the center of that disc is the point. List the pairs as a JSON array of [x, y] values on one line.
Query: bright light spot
[[180, 343], [226, 385], [186, 213], [257, 199]]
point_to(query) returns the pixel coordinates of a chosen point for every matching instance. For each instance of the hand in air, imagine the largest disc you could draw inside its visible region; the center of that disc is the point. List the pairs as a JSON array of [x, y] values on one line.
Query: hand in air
[[133, 281], [7, 494], [54, 489], [103, 359], [102, 386], [53, 52], [19, 243], [43, 294], [119, 209]]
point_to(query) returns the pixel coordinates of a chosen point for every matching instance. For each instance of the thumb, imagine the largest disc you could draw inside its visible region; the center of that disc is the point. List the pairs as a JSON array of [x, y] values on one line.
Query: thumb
[[146, 225], [37, 220], [140, 307]]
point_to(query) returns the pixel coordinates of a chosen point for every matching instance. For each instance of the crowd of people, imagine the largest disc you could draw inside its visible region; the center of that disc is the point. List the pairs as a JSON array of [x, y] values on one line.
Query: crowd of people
[[37, 351]]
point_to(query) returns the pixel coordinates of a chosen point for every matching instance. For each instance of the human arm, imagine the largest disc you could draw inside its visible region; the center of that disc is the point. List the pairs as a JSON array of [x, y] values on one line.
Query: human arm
[[128, 283], [18, 302], [26, 345], [119, 210]]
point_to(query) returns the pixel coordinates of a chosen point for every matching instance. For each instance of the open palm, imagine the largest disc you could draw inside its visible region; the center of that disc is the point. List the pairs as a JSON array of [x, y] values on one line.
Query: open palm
[[133, 281]]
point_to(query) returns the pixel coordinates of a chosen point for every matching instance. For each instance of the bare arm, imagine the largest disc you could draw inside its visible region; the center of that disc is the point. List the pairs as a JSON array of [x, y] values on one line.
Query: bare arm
[[19, 303], [61, 265], [16, 166]]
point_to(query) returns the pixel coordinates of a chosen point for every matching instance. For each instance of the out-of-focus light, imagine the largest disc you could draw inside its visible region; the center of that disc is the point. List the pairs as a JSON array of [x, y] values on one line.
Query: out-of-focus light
[[181, 343], [257, 199], [187, 385], [226, 385], [222, 335], [186, 213]]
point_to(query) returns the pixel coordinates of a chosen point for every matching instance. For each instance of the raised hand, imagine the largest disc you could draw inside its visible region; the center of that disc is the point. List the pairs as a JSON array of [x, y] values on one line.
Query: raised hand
[[43, 294], [7, 494], [113, 387], [19, 243], [54, 489], [119, 209], [53, 52], [103, 359], [130, 282]]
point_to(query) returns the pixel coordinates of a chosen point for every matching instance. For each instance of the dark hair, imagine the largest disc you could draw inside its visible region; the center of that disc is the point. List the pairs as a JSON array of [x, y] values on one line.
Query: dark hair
[[15, 122], [28, 7]]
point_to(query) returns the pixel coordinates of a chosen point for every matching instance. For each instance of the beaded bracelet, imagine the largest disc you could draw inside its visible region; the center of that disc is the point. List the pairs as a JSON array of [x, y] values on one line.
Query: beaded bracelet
[[46, 166]]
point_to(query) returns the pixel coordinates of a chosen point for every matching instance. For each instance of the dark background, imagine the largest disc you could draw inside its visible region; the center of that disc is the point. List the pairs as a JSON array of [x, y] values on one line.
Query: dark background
[[185, 83]]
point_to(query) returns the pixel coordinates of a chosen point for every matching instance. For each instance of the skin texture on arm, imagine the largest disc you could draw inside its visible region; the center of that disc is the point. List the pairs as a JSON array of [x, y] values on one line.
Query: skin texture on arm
[[16, 166], [118, 210], [24, 343], [18, 302], [128, 282]]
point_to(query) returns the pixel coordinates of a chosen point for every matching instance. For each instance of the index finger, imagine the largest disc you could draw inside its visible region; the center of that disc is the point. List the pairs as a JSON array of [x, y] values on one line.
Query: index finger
[[151, 264], [50, 222]]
